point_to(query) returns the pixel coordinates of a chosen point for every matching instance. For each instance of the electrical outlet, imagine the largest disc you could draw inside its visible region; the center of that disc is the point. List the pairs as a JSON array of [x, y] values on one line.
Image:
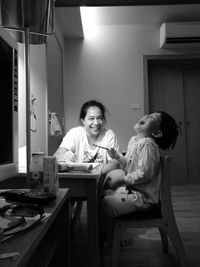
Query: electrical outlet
[[135, 106]]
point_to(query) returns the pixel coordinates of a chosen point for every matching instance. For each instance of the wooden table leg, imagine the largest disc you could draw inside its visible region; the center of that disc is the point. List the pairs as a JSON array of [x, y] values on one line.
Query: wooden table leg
[[92, 223]]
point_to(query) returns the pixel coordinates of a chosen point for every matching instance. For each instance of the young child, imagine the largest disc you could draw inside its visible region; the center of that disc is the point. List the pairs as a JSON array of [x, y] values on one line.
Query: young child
[[136, 184]]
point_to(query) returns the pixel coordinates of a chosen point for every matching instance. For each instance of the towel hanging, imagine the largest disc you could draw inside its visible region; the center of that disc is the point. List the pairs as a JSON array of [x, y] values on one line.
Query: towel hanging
[[55, 128]]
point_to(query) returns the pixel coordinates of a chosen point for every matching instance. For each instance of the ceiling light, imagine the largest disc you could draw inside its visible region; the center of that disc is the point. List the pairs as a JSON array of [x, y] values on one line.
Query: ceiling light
[[88, 18]]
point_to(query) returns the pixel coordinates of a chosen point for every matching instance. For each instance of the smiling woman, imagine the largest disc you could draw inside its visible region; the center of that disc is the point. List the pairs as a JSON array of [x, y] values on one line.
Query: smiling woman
[[78, 143]]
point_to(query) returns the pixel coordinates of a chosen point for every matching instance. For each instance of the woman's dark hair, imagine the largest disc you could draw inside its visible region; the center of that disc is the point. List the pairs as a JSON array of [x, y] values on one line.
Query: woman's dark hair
[[170, 131], [92, 103]]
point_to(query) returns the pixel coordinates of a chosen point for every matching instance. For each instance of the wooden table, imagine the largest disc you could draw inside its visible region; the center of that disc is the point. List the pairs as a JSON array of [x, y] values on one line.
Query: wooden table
[[48, 244], [85, 184]]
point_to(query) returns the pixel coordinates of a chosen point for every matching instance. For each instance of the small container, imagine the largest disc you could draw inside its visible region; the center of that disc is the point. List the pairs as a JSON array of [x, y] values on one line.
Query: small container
[[50, 181], [36, 171]]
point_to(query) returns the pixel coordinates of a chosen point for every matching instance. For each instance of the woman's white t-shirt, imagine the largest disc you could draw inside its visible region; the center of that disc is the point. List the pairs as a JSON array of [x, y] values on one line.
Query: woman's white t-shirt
[[76, 141]]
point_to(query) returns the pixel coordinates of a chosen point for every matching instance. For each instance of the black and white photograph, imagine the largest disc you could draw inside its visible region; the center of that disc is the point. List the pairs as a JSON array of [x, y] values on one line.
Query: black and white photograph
[[100, 133]]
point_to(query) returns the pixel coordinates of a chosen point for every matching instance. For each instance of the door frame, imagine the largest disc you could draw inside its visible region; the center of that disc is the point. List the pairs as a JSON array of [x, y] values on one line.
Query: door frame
[[147, 59], [166, 59]]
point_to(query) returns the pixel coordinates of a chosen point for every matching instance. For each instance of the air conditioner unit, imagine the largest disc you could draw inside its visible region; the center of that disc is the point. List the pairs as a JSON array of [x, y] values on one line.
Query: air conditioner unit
[[180, 35]]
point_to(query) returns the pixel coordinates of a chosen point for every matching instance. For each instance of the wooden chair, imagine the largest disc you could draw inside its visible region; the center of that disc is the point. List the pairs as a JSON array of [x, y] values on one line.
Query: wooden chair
[[159, 216]]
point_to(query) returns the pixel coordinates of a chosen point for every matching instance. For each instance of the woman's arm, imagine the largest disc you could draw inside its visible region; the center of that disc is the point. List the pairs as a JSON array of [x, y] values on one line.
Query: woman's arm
[[66, 150], [63, 155]]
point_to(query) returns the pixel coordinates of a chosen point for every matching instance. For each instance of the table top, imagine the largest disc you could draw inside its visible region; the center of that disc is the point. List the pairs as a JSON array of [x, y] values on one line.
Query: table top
[[26, 243], [93, 174]]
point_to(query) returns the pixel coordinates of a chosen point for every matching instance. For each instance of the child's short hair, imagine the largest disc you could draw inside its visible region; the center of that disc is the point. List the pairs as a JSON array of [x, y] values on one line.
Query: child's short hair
[[170, 131]]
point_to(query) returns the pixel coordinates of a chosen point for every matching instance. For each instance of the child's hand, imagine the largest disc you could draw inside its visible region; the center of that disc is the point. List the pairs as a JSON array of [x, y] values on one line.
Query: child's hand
[[113, 153]]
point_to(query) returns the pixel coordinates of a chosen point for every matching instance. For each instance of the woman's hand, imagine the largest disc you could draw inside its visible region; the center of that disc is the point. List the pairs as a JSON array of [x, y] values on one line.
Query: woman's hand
[[64, 155], [69, 156]]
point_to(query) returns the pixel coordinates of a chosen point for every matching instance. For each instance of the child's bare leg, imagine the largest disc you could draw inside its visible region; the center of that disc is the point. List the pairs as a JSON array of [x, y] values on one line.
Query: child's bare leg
[[122, 202]]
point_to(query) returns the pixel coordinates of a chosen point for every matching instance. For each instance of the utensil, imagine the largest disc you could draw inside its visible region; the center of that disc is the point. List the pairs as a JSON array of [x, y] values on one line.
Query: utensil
[[103, 147]]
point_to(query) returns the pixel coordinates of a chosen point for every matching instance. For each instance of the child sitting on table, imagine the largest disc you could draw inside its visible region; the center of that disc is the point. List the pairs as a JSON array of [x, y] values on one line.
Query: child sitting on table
[[136, 184]]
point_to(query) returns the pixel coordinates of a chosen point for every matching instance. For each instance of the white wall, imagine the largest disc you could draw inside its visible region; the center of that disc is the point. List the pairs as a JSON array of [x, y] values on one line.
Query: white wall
[[55, 51], [38, 81], [38, 88], [55, 90], [109, 67]]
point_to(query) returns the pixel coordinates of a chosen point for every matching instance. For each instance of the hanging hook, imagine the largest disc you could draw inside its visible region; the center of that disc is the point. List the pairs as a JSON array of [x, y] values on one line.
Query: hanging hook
[[33, 99]]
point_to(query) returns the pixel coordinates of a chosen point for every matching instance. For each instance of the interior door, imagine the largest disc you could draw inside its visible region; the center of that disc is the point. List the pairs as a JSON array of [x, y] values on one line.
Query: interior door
[[191, 83], [166, 94]]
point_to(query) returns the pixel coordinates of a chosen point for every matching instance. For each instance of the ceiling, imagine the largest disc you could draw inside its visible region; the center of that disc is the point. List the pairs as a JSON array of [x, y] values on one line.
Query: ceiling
[[70, 21], [122, 2]]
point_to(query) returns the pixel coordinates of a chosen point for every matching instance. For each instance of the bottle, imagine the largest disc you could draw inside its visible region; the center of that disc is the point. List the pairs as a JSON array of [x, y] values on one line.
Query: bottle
[[36, 171]]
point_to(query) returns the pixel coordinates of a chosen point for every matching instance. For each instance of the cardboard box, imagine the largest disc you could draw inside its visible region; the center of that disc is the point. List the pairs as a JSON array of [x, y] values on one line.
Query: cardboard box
[[50, 179]]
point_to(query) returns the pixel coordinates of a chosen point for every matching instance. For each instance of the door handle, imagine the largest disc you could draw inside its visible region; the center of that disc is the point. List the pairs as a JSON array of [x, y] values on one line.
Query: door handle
[[180, 129]]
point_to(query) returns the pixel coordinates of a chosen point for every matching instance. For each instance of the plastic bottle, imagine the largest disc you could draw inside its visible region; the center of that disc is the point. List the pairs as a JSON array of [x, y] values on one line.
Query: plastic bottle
[[36, 171]]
